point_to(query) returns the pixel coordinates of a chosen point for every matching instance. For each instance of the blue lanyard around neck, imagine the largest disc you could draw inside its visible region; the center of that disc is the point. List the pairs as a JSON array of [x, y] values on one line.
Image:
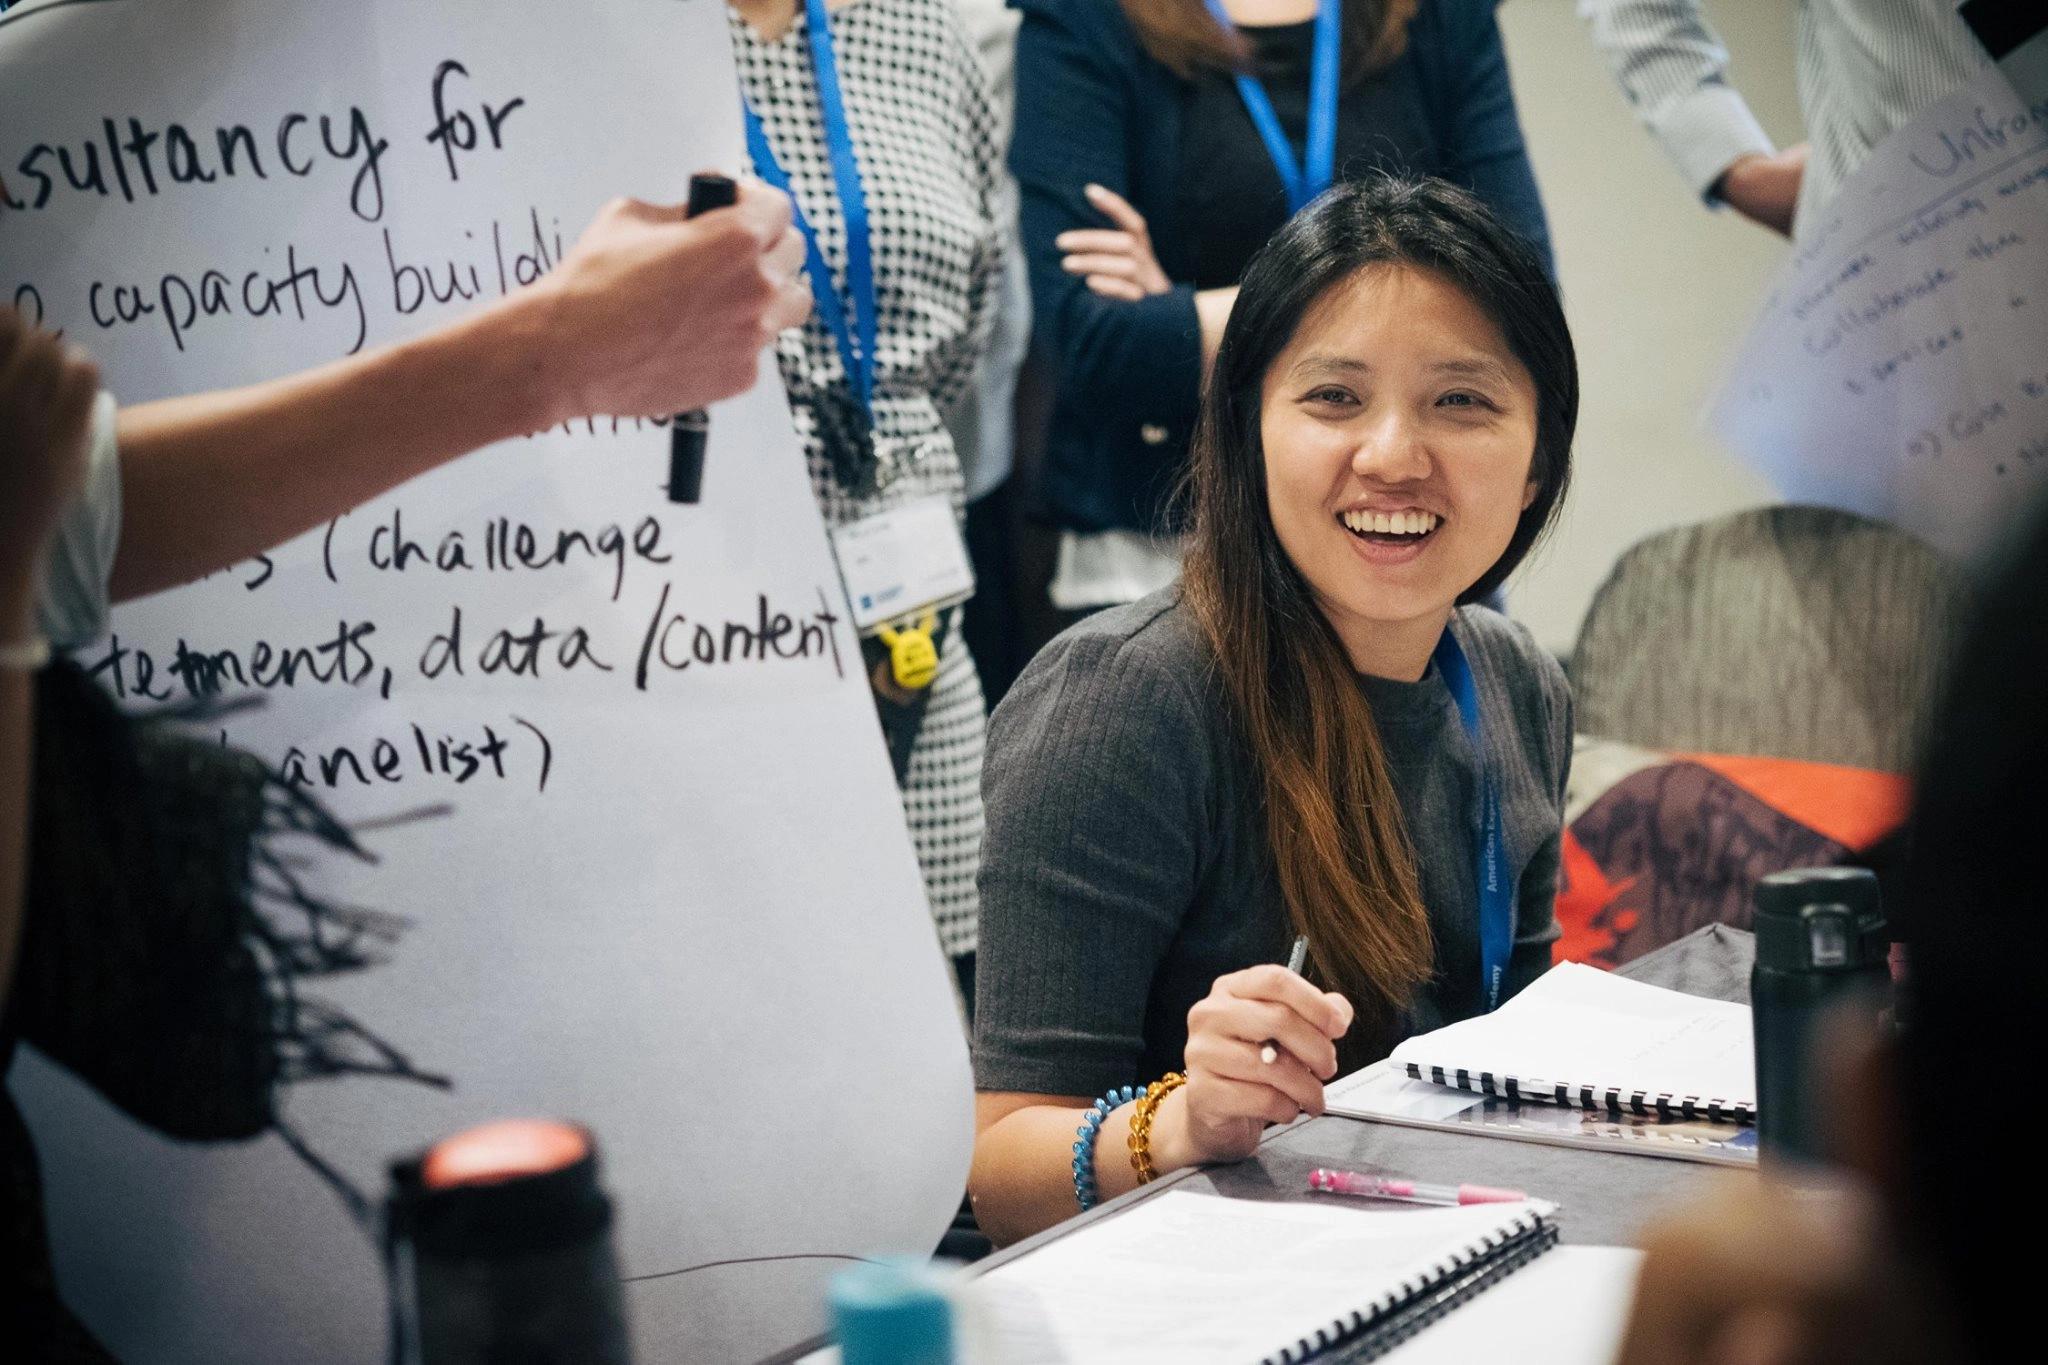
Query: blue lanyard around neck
[[856, 343], [1496, 892], [1303, 182]]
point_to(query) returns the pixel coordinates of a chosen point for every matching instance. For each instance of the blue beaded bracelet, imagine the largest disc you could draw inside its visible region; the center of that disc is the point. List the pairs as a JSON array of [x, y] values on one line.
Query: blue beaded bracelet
[[1084, 1146]]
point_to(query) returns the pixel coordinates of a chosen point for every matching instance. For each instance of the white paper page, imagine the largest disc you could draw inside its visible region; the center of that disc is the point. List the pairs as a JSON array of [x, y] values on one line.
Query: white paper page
[[1569, 1306], [1186, 1278], [1899, 365], [690, 915], [1579, 1026], [1380, 1089], [1383, 1093]]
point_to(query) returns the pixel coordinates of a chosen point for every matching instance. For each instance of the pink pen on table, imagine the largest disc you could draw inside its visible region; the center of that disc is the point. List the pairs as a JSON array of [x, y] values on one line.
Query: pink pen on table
[[1364, 1186]]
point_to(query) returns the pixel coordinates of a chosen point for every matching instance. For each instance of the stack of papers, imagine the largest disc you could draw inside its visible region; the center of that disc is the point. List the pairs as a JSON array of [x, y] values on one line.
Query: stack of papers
[[1382, 1093], [1581, 1036], [1580, 1058], [1185, 1278]]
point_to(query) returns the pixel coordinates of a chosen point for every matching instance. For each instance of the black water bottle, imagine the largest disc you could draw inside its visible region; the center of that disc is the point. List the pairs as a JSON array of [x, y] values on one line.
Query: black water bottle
[[1821, 948], [507, 1238]]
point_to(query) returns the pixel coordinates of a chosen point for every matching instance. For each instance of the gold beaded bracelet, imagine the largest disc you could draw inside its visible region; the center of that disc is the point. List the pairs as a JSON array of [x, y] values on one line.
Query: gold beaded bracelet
[[1140, 1140]]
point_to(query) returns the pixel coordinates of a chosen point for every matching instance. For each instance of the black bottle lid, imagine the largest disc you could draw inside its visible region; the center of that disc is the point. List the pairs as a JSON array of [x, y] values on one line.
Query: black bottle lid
[[531, 1203], [1819, 919]]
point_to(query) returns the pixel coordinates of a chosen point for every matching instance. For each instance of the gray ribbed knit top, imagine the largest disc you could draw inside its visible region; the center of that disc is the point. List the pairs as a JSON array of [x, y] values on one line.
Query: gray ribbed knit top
[[1125, 868]]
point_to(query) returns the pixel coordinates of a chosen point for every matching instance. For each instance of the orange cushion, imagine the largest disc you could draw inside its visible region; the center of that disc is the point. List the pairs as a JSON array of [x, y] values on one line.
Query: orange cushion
[[1680, 841]]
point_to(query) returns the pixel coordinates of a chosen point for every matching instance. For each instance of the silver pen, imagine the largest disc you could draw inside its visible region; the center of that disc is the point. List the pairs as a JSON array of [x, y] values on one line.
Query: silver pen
[[1297, 958]]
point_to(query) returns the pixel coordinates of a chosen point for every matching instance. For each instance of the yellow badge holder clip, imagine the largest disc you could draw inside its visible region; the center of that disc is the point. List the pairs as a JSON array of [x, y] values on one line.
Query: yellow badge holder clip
[[913, 658]]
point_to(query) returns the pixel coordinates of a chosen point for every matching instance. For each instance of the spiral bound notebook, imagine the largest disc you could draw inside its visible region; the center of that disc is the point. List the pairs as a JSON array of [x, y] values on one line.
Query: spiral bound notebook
[[1580, 1036], [1385, 1093], [1199, 1279]]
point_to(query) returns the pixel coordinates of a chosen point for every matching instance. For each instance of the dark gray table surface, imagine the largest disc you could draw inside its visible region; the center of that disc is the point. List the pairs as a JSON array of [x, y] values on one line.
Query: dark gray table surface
[[1604, 1198]]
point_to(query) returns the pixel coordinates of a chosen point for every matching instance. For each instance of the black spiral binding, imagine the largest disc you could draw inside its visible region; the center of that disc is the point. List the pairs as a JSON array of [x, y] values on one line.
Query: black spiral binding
[[1384, 1324], [1611, 1100]]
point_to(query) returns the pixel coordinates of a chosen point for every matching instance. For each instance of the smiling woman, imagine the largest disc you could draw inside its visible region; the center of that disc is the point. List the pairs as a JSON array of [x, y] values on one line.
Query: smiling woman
[[1310, 736], [1399, 430]]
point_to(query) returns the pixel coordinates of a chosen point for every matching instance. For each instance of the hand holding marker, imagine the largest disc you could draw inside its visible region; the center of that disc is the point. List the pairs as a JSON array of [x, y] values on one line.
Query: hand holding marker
[[1297, 958], [692, 431]]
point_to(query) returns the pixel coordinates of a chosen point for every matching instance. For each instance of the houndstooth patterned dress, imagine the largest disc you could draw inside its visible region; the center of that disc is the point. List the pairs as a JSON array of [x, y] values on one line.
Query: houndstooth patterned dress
[[924, 132]]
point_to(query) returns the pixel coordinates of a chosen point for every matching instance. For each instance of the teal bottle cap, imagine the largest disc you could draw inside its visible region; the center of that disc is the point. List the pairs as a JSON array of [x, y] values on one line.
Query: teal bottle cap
[[892, 1313]]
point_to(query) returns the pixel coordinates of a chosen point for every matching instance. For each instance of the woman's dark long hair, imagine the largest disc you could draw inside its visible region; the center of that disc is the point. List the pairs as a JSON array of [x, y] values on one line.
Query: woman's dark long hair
[[1333, 824], [1183, 37]]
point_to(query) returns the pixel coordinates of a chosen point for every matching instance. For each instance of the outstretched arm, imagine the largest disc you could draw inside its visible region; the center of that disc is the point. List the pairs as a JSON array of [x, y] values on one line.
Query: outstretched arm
[[46, 396], [649, 315], [1673, 69]]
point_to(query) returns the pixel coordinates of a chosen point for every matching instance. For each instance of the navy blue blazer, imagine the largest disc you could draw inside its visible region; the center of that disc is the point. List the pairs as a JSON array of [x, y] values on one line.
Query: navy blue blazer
[[1092, 106]]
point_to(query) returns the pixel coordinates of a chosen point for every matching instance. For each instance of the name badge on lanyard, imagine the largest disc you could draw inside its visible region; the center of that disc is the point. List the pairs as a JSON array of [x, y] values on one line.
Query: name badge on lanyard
[[1496, 888], [845, 424], [1310, 176], [908, 561]]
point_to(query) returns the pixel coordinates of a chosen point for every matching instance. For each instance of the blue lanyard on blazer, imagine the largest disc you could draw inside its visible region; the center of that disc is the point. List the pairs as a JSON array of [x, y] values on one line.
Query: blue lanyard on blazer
[[856, 343], [1303, 182], [1496, 891]]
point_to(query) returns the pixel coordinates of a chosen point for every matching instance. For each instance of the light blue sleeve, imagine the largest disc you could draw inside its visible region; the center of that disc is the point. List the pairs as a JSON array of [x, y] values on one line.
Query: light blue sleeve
[[72, 604]]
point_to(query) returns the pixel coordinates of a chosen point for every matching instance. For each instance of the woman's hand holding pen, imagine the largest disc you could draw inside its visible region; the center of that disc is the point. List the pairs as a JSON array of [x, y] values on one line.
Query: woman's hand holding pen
[[1232, 1094], [1117, 262]]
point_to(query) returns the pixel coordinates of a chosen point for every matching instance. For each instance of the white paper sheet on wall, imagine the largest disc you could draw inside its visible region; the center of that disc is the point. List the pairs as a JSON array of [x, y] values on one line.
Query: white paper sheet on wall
[[1899, 367], [674, 898]]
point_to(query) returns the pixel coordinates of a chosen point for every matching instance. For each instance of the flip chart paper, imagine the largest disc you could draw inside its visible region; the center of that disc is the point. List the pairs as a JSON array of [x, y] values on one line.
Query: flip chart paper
[[673, 897]]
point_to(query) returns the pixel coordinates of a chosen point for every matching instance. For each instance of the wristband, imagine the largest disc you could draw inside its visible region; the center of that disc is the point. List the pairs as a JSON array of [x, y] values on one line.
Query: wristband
[[1140, 1140], [25, 655], [1084, 1144]]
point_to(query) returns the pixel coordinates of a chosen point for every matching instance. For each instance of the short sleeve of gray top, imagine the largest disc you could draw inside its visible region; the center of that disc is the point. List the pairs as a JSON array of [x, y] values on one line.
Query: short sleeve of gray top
[[1124, 869], [72, 606]]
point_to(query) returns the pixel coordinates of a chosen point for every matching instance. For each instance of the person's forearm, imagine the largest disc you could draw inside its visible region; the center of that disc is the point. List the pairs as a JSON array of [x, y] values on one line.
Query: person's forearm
[[1764, 189], [1212, 308], [17, 703], [1022, 1180], [1673, 68], [219, 477]]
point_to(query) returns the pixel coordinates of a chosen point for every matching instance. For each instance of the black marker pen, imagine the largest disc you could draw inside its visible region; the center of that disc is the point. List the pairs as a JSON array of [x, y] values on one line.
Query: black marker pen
[[692, 431]]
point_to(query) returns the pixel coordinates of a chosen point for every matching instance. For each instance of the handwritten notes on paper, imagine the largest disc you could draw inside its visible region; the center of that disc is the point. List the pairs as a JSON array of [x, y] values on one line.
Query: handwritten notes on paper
[[674, 897], [1900, 365]]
